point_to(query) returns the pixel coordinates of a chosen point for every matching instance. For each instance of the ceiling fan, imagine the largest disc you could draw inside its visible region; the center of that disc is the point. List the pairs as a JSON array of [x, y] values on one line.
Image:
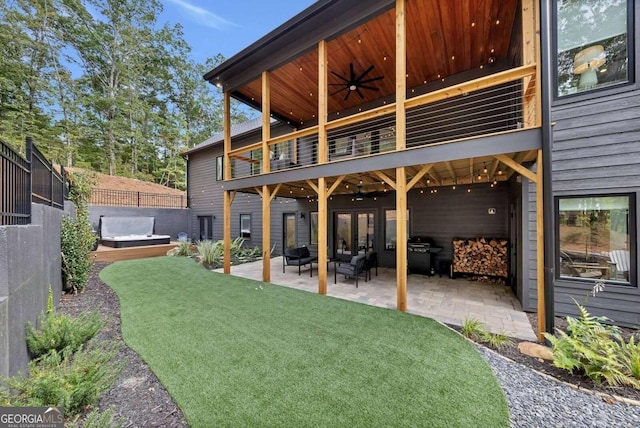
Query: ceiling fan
[[355, 83], [360, 195]]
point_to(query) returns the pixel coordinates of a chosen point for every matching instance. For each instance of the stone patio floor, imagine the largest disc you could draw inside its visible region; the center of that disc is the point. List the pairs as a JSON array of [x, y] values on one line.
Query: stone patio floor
[[450, 301]]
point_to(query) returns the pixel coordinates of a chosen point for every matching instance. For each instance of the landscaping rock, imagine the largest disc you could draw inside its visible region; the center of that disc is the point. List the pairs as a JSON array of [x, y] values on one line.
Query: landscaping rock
[[536, 350], [173, 252]]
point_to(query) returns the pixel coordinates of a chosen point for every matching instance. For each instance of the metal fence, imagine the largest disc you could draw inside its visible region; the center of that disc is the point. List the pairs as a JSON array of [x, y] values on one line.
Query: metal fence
[[126, 198], [27, 180]]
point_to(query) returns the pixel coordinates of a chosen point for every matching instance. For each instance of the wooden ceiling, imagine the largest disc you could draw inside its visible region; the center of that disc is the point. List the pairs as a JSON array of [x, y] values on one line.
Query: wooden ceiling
[[444, 38], [460, 173]]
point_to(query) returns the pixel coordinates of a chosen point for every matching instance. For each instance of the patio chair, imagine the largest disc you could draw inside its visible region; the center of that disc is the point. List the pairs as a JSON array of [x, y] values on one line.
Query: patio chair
[[353, 269], [371, 262], [622, 259]]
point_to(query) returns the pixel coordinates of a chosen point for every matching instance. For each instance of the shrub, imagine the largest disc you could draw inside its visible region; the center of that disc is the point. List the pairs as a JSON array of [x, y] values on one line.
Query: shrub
[[59, 331], [184, 249], [97, 419], [73, 381], [596, 349], [210, 251], [76, 236], [472, 329], [496, 341]]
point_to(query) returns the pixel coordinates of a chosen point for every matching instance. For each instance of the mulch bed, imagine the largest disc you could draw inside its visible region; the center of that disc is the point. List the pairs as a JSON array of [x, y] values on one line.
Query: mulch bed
[[139, 398]]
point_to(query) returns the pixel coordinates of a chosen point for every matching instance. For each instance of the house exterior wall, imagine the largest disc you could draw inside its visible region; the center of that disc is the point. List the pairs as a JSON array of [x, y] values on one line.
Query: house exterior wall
[[595, 151], [206, 199], [442, 216]]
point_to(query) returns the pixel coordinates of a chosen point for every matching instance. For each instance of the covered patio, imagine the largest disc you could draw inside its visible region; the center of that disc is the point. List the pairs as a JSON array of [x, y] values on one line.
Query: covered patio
[[450, 301]]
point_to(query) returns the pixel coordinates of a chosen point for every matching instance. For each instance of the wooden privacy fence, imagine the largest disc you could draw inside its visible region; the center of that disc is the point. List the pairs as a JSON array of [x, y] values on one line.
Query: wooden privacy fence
[[127, 198], [27, 180]]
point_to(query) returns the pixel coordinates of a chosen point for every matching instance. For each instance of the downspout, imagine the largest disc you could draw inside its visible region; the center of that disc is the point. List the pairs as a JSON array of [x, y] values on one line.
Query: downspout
[[547, 144]]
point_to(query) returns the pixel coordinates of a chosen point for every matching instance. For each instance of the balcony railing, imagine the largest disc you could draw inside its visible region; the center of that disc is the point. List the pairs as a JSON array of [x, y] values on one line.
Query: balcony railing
[[498, 103]]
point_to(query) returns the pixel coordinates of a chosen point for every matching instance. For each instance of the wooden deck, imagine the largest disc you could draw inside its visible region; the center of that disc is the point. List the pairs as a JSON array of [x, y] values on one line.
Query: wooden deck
[[109, 254]]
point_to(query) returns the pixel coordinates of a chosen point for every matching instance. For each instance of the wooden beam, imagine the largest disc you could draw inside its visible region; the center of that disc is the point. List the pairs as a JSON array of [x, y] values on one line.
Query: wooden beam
[[517, 167], [323, 241], [312, 185], [232, 196], [493, 168], [362, 116], [529, 57], [323, 101], [385, 178], [266, 234], [294, 135], [245, 149], [540, 248], [471, 172], [227, 135], [258, 191], [435, 177], [518, 158], [401, 238], [401, 76], [226, 234], [473, 85], [275, 192], [335, 185], [451, 170], [266, 121], [425, 169]]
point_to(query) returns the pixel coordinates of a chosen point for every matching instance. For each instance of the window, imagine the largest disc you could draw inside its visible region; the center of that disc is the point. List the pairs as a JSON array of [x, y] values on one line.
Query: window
[[219, 168], [245, 226], [390, 231], [313, 225], [596, 236], [593, 44]]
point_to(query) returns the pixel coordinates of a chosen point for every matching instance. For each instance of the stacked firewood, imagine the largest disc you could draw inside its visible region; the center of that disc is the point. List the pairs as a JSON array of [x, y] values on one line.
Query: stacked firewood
[[481, 256]]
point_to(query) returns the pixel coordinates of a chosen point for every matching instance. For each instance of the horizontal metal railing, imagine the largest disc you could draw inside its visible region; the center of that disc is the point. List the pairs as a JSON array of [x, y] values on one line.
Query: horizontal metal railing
[[493, 104], [127, 198]]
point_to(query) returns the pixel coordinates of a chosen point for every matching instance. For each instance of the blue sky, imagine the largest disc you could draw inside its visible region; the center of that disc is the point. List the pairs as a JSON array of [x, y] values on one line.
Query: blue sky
[[227, 26]]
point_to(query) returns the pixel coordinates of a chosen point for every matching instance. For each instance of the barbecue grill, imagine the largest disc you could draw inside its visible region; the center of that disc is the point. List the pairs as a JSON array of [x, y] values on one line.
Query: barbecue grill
[[420, 255]]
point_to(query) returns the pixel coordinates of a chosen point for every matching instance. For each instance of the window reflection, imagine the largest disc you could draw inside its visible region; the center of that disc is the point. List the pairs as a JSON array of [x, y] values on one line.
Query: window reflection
[[592, 47]]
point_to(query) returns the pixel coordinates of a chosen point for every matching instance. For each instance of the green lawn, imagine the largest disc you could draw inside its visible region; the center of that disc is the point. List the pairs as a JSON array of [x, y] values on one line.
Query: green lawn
[[236, 352]]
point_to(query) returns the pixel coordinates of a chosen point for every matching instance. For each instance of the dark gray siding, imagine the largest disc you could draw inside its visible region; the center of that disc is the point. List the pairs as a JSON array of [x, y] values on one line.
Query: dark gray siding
[[443, 216], [596, 150], [206, 199]]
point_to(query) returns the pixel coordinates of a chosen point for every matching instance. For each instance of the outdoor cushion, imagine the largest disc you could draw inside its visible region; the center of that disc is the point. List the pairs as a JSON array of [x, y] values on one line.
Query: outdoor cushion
[[354, 268]]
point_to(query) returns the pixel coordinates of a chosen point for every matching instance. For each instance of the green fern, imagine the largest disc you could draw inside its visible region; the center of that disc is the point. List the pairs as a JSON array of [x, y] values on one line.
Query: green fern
[[596, 349]]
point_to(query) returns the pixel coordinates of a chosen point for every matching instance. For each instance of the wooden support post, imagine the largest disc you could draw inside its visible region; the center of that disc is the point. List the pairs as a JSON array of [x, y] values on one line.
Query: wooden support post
[[322, 235], [323, 95], [401, 144], [401, 238], [227, 231], [540, 248], [401, 76], [266, 234], [227, 197], [266, 121]]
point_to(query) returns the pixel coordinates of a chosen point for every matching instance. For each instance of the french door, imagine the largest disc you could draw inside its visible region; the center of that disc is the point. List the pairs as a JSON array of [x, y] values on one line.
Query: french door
[[354, 233]]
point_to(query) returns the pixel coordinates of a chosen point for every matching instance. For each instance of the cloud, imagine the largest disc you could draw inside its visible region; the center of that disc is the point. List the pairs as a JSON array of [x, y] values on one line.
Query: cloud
[[203, 16]]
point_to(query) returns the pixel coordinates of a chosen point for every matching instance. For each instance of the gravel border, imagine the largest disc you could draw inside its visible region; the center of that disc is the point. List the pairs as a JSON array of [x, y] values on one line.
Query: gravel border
[[536, 401]]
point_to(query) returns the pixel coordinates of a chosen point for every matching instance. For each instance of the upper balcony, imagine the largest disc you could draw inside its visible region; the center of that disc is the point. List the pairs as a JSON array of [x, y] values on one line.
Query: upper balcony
[[469, 69]]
